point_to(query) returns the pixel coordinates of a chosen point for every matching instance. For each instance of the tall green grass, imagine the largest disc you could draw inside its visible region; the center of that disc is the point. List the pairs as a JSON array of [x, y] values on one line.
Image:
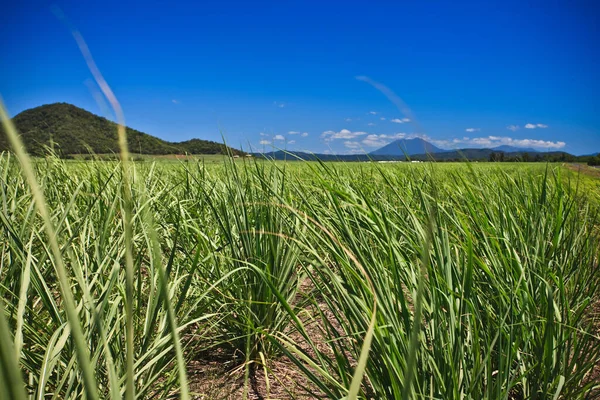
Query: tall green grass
[[466, 281], [511, 272]]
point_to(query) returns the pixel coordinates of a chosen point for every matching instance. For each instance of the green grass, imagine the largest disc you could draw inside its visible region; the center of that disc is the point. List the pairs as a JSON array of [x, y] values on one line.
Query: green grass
[[172, 158], [471, 281]]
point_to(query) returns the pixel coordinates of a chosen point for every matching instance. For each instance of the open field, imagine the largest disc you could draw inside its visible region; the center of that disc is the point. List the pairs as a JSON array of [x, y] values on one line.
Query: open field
[[207, 158], [273, 280]]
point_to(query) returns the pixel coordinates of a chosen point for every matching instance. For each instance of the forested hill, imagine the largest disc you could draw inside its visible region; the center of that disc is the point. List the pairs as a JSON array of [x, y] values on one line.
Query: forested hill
[[74, 130]]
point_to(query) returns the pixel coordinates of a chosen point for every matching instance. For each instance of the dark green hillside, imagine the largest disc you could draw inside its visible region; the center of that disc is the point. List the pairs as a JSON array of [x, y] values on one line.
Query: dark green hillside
[[76, 131]]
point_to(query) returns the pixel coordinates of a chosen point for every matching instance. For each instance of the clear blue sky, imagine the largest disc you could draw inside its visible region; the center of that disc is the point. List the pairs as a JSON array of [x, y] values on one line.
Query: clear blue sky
[[255, 71]]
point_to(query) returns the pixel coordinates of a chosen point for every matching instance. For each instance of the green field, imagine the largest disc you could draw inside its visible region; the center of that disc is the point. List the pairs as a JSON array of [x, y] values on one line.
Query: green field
[[255, 279]]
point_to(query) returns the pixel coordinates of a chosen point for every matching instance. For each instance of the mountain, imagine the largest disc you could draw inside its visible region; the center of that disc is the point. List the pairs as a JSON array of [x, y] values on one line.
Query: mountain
[[444, 155], [511, 149], [401, 147], [74, 130]]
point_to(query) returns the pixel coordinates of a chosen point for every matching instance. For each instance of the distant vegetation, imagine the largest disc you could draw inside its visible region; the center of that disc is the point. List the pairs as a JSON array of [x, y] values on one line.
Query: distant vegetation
[[72, 130], [482, 155], [594, 160]]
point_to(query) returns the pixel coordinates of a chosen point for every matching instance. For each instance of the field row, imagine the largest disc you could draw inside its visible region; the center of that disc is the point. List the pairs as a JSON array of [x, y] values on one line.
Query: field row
[[254, 279]]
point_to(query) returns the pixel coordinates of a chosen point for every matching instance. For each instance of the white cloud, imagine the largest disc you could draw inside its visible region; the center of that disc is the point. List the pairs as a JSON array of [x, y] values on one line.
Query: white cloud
[[291, 142], [348, 119], [472, 129], [397, 120], [382, 118], [495, 141], [278, 137], [343, 134], [405, 119], [280, 105], [352, 145], [263, 142], [371, 124], [373, 112], [513, 128], [534, 126], [293, 133], [263, 134], [305, 134]]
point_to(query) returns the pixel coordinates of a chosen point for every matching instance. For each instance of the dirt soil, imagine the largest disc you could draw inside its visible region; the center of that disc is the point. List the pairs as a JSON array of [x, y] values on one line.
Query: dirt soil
[[220, 375]]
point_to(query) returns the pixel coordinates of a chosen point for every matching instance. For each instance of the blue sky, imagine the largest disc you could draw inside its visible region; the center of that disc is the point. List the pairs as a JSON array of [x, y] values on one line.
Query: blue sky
[[471, 73]]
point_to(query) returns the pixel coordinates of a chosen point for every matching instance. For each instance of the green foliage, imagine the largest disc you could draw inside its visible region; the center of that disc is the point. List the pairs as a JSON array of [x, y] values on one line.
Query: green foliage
[[484, 277], [72, 130], [511, 267]]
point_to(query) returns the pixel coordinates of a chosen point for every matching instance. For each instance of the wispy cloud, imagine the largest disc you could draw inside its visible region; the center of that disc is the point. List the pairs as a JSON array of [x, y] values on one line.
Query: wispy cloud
[[405, 119], [304, 134], [371, 124], [373, 112], [328, 136], [291, 142], [352, 145], [494, 141], [397, 121], [278, 104], [513, 128], [535, 126], [174, 101], [263, 134], [472, 129], [293, 133], [278, 137], [263, 142], [382, 118], [348, 120]]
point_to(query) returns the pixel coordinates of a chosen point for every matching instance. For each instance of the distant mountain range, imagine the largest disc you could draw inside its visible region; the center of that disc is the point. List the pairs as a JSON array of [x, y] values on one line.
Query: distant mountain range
[[421, 150], [512, 149], [418, 146], [74, 130]]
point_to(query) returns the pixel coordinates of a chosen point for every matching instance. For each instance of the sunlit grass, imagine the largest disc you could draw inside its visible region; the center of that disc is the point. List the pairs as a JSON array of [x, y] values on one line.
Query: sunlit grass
[[498, 263]]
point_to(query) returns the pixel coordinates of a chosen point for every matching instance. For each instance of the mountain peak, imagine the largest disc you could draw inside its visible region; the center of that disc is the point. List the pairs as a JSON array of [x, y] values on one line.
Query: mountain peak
[[409, 147]]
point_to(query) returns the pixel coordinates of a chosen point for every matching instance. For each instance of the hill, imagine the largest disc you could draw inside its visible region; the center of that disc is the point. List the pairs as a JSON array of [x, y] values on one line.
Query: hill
[[74, 130], [411, 147]]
